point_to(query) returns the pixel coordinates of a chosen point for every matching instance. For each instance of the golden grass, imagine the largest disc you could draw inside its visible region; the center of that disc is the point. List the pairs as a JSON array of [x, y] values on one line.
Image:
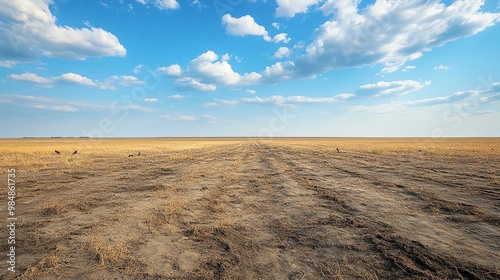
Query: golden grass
[[39, 154], [106, 252], [390, 146], [49, 264]]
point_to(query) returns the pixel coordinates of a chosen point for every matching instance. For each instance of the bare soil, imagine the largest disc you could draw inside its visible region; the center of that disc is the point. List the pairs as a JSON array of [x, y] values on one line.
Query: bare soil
[[261, 210]]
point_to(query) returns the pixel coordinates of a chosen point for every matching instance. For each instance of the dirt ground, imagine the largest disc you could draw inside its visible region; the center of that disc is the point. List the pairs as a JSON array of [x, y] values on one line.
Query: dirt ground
[[260, 209]]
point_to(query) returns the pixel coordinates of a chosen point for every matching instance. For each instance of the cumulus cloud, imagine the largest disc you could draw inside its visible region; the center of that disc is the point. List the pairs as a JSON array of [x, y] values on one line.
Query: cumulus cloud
[[246, 25], [173, 70], [385, 33], [193, 84], [388, 33], [30, 77], [161, 4], [391, 88], [150, 100], [28, 30], [205, 71], [288, 8], [73, 78], [250, 91], [282, 52]]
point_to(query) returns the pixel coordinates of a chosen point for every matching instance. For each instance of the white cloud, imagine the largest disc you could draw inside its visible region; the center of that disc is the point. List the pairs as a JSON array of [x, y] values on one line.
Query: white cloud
[[173, 70], [68, 105], [73, 78], [290, 100], [194, 84], [250, 91], [391, 88], [228, 103], [246, 25], [279, 71], [29, 31], [276, 25], [221, 103], [282, 52], [388, 33], [207, 69], [176, 96], [225, 57], [30, 77], [243, 26], [288, 8], [408, 68], [179, 117], [459, 98], [138, 68], [150, 100], [161, 4], [441, 67], [76, 79], [125, 81], [62, 108], [344, 96], [281, 37]]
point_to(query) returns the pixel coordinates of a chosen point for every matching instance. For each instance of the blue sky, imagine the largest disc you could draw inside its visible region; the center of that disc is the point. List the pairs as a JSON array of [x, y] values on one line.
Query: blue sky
[[144, 68]]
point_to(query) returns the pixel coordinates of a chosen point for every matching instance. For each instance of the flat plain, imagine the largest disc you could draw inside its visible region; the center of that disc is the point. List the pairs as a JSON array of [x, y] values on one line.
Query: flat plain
[[381, 208]]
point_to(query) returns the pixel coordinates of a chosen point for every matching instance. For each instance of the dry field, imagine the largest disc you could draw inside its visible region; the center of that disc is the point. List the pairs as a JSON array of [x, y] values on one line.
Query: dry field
[[254, 209]]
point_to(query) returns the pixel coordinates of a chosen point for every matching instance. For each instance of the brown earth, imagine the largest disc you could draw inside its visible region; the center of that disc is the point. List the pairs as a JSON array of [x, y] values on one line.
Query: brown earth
[[253, 209]]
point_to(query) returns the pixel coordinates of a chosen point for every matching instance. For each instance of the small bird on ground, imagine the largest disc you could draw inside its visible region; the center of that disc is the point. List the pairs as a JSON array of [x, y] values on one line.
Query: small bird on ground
[[130, 155], [74, 153], [338, 151], [57, 152]]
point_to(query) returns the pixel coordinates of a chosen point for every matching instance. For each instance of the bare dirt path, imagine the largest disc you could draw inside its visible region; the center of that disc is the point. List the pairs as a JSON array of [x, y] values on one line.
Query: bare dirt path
[[262, 210]]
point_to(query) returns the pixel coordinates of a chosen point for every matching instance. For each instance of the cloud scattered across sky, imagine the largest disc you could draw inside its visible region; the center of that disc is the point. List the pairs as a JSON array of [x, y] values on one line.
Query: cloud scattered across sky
[[76, 79], [390, 88], [459, 98], [161, 4], [379, 34], [179, 117], [280, 100], [54, 104]]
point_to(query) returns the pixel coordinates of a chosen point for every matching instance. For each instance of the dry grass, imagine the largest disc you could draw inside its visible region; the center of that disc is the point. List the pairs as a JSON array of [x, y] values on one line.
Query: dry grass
[[107, 252], [256, 209]]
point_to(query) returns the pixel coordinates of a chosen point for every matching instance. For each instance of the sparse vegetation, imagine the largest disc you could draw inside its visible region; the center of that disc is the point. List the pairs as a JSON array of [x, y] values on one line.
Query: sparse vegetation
[[256, 209]]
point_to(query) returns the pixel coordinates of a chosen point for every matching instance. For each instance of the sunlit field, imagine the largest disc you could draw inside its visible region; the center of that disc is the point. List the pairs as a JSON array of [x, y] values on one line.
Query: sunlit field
[[237, 208]]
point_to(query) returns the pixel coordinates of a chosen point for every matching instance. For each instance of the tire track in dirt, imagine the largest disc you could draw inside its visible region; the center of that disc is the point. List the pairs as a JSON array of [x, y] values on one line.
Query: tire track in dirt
[[466, 198], [116, 205], [356, 180]]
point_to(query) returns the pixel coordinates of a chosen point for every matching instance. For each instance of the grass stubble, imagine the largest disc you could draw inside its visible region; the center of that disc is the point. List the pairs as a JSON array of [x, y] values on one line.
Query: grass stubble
[[249, 208]]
